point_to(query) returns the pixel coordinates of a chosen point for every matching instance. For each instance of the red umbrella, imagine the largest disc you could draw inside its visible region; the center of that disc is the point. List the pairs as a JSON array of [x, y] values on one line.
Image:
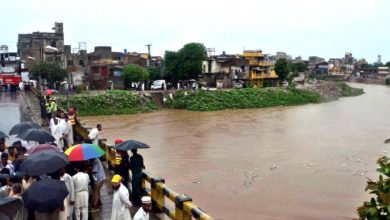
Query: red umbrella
[[42, 147], [50, 91]]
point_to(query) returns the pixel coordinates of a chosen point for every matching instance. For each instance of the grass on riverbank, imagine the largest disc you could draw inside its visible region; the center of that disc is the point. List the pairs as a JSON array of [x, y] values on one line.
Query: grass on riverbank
[[241, 99], [347, 91], [110, 102]]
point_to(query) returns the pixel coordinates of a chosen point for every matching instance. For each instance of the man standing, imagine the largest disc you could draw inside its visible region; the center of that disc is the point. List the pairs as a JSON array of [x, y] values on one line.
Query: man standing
[[56, 132], [143, 212], [67, 131], [136, 166], [70, 186], [81, 181], [120, 203], [99, 178], [94, 134]]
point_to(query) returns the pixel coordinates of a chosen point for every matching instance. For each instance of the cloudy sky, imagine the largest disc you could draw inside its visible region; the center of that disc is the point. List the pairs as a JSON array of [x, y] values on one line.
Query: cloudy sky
[[326, 28]]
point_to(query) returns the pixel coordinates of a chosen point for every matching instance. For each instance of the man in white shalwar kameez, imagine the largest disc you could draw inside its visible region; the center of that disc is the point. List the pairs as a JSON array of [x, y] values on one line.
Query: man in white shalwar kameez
[[69, 200], [66, 130], [81, 181], [120, 203], [146, 208], [94, 134], [56, 132]]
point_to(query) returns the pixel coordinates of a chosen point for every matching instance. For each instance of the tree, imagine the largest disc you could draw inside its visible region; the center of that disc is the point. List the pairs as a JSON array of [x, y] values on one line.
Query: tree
[[134, 73], [52, 72], [282, 68], [171, 66], [388, 64], [186, 63], [298, 67], [154, 73], [191, 57]]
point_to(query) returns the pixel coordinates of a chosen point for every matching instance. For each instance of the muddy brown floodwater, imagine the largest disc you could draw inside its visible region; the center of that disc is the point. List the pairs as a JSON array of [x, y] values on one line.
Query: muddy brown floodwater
[[301, 162]]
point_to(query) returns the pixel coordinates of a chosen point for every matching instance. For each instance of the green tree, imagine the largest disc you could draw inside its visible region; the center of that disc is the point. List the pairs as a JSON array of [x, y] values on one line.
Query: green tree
[[186, 63], [171, 65], [388, 64], [191, 57], [52, 72], [298, 67], [134, 73], [282, 68], [154, 73]]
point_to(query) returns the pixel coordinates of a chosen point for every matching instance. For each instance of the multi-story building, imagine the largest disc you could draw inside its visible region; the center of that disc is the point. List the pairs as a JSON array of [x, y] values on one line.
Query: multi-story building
[[223, 71], [43, 46], [260, 69]]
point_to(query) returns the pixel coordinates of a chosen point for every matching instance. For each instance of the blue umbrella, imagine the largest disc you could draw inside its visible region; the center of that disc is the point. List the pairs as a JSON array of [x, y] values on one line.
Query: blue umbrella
[[130, 145]]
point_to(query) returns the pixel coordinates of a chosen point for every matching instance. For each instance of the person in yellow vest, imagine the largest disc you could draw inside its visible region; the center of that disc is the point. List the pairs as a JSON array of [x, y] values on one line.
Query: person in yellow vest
[[53, 106]]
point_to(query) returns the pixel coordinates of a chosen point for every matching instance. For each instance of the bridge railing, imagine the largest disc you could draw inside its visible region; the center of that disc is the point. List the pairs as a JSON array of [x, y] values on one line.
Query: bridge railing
[[184, 208]]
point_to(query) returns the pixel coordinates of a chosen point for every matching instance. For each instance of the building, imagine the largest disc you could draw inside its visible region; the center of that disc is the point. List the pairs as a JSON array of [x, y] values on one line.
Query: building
[[224, 71], [322, 68], [77, 64], [45, 46], [261, 69]]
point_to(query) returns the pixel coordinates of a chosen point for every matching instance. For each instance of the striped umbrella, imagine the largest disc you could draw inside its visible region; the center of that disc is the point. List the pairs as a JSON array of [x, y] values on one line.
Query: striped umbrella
[[81, 152]]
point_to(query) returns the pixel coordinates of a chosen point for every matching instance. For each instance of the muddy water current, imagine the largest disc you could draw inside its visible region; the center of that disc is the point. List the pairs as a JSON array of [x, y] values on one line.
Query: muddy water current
[[301, 162]]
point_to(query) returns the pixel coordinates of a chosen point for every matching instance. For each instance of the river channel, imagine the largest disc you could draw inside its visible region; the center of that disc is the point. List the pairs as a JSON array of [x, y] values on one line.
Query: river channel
[[301, 162]]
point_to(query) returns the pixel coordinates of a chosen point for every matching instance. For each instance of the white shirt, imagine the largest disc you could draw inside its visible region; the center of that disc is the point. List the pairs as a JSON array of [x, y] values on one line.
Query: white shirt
[[141, 215], [56, 132], [94, 135], [121, 204], [80, 181]]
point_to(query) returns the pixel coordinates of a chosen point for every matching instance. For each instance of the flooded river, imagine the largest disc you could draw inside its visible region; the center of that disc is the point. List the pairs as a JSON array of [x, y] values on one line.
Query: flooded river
[[11, 111], [301, 162]]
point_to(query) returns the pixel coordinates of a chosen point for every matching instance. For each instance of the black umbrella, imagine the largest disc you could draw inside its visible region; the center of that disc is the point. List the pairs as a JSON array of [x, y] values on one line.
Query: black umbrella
[[45, 195], [9, 206], [22, 126], [3, 135], [43, 162], [36, 134], [130, 145]]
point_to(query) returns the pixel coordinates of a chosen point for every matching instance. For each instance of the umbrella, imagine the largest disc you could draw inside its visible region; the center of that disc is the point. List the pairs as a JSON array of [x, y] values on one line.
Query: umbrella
[[387, 141], [84, 151], [9, 206], [43, 162], [42, 147], [37, 135], [3, 135], [130, 145], [50, 91], [22, 126], [45, 195]]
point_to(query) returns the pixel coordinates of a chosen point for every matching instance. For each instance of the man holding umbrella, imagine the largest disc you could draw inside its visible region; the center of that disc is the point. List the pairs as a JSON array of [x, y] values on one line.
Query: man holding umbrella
[[136, 166]]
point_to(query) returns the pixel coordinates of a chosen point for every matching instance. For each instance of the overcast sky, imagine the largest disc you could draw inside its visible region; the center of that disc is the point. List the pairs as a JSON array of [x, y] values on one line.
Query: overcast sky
[[326, 28]]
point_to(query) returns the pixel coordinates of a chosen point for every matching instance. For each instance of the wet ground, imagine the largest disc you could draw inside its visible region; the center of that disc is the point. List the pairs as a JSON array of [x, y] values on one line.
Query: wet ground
[[302, 162]]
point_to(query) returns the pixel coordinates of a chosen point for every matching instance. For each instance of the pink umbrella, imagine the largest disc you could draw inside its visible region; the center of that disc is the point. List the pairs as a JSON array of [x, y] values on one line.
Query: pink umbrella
[[42, 147], [50, 91]]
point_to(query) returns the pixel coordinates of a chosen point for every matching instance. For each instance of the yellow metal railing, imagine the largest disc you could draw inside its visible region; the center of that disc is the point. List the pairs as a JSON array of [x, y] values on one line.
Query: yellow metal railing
[[184, 208]]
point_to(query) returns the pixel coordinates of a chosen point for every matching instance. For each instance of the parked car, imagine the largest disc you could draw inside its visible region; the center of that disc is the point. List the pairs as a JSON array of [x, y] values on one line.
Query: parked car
[[158, 84], [238, 85]]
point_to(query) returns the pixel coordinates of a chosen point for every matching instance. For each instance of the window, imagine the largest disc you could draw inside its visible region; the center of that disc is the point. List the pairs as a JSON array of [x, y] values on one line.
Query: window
[[53, 43], [95, 70], [104, 71], [70, 62], [81, 62]]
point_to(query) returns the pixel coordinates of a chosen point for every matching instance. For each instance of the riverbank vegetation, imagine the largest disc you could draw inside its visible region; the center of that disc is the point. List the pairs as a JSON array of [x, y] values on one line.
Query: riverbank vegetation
[[379, 205], [241, 99], [259, 98], [110, 102]]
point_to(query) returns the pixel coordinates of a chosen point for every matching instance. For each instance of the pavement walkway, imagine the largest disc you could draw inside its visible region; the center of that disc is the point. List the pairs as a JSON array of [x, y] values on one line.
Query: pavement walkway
[[106, 191]]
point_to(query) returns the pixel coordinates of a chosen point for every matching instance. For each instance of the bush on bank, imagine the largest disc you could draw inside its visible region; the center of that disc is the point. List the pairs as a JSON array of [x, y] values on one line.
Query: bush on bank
[[350, 91], [241, 99], [110, 102]]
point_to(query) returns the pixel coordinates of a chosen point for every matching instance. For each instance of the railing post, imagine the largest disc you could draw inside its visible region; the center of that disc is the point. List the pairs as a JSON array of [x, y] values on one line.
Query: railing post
[[158, 198], [179, 210]]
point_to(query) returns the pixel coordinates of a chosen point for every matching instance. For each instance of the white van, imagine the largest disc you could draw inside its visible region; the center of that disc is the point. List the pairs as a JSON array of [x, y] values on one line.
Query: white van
[[158, 84]]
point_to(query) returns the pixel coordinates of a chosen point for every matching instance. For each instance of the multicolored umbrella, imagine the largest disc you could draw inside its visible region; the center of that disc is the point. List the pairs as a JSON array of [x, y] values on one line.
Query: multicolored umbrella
[[84, 151]]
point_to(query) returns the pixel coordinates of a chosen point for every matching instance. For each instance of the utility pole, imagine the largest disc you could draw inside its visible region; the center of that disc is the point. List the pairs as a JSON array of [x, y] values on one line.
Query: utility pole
[[149, 56]]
